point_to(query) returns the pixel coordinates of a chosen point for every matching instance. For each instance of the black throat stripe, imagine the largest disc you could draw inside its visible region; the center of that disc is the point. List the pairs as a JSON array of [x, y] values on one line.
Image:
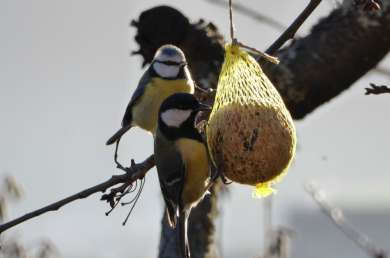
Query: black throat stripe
[[171, 63]]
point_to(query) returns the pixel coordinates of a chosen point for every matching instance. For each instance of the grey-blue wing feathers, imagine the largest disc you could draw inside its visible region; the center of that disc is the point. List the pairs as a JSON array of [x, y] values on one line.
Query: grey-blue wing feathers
[[139, 91], [128, 117]]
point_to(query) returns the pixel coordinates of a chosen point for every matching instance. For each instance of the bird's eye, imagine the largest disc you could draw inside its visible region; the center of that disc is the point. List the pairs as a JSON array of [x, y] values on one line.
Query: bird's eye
[[169, 63]]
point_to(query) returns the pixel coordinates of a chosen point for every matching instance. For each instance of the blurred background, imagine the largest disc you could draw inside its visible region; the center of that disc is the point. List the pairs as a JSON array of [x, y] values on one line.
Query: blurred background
[[66, 76]]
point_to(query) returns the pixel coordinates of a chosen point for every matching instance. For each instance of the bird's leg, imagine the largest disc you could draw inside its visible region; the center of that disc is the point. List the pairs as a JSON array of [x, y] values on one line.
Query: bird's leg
[[215, 171], [118, 165], [205, 91], [219, 174]]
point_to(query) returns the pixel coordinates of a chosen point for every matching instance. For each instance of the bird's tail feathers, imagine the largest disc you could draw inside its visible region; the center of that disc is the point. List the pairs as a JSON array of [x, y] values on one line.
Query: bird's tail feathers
[[182, 234], [118, 134], [172, 216]]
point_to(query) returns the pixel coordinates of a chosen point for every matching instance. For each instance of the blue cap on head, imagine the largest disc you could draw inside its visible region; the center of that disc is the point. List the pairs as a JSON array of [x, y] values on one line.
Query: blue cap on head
[[169, 51]]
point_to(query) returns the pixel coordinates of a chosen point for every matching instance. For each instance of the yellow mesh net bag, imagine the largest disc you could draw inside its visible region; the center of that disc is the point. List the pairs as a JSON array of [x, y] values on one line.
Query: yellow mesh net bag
[[251, 135]]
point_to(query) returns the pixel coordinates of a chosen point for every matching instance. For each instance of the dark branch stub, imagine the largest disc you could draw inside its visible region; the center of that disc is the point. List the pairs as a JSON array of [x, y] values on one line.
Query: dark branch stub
[[376, 90]]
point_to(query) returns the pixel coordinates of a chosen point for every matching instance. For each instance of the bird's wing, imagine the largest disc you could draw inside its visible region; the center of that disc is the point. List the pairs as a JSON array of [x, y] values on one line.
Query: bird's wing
[[171, 172], [118, 134], [139, 91]]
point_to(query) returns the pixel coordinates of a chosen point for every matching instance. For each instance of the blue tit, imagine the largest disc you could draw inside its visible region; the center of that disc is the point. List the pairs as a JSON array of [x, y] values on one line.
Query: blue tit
[[182, 161], [167, 74]]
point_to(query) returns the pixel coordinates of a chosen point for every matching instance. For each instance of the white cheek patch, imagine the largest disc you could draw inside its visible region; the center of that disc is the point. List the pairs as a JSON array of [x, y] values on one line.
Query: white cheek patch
[[166, 71], [175, 117]]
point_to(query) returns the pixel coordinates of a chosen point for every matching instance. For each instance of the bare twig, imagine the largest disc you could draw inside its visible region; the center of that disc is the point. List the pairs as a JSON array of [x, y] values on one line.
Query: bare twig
[[376, 89], [134, 201], [269, 58], [236, 42], [252, 13], [287, 34], [231, 21], [116, 194], [292, 29], [337, 217], [134, 172]]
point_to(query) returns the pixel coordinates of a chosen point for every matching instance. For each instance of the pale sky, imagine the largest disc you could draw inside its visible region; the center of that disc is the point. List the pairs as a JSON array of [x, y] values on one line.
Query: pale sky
[[66, 77]]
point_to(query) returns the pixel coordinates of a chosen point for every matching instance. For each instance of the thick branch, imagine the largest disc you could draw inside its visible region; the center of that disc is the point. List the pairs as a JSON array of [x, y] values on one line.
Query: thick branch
[[340, 49], [135, 172]]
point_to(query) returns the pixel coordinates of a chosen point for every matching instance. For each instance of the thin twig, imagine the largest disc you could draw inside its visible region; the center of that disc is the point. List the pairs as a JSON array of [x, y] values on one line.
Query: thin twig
[[134, 201], [133, 173], [376, 89], [337, 217], [252, 13], [232, 37], [236, 42], [269, 58], [117, 193], [292, 29]]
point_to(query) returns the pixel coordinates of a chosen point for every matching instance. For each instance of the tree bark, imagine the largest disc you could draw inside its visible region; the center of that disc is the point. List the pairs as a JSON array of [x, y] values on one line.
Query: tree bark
[[340, 49]]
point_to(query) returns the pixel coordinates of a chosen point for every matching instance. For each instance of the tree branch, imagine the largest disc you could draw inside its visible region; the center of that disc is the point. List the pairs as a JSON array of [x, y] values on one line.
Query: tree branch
[[340, 49], [133, 173], [289, 33], [376, 89]]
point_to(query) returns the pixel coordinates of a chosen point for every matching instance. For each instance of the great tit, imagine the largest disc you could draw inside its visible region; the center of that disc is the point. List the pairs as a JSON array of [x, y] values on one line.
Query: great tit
[[167, 74], [182, 161]]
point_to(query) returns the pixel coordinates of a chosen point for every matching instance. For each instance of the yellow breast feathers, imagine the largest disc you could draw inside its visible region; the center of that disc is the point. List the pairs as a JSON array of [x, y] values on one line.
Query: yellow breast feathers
[[194, 154], [146, 110]]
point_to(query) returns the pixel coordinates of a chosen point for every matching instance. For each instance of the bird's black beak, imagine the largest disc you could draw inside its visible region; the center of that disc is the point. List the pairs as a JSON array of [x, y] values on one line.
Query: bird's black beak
[[203, 107]]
